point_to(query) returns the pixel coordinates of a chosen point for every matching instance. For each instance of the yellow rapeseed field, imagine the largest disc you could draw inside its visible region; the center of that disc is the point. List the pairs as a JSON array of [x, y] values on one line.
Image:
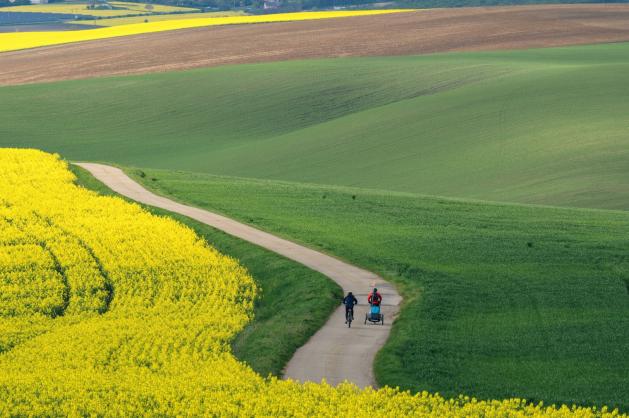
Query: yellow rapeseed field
[[121, 9], [23, 40], [106, 310]]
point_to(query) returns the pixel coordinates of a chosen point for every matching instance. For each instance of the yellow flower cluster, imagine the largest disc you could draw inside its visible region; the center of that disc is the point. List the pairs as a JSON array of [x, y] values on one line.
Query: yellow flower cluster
[[111, 311], [21, 40]]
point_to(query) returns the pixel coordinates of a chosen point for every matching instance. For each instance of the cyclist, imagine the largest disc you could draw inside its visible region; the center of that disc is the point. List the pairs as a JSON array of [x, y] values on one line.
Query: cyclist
[[349, 301], [374, 298]]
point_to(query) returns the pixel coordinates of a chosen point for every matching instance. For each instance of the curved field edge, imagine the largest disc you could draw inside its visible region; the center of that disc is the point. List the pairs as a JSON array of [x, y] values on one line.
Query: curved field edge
[[26, 40], [294, 301], [500, 300]]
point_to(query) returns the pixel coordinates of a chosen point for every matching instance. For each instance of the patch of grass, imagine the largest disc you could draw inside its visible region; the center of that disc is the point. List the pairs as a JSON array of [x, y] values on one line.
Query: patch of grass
[[538, 126], [294, 302], [500, 300]]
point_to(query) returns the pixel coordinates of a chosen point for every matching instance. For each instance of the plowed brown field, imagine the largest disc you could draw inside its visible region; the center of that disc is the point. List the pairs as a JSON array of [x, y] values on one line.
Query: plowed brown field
[[420, 32]]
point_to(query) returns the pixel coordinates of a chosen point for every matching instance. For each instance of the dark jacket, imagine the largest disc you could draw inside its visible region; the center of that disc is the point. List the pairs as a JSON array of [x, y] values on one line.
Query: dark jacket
[[350, 301]]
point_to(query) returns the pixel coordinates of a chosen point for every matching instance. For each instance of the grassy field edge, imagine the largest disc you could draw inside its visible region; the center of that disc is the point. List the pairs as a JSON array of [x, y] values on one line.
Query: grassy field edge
[[294, 301]]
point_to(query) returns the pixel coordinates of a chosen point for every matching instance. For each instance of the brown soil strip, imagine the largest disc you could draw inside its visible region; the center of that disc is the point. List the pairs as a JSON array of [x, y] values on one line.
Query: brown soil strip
[[420, 32]]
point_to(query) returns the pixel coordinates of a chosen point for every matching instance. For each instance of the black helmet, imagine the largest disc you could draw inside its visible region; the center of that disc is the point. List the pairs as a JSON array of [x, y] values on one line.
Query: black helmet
[[375, 290]]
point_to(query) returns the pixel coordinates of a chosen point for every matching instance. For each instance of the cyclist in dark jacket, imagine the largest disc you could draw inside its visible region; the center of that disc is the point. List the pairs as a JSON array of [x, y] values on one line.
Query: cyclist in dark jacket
[[349, 301]]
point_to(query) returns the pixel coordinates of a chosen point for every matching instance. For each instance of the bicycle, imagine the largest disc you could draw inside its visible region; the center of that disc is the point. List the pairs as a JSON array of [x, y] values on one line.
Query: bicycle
[[349, 317]]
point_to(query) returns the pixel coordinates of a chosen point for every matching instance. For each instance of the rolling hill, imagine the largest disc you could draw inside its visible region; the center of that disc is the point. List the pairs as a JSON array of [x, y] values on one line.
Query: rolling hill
[[423, 32], [538, 126]]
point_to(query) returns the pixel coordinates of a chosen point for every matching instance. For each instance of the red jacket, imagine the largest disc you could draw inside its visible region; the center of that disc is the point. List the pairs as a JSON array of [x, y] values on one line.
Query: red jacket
[[374, 299]]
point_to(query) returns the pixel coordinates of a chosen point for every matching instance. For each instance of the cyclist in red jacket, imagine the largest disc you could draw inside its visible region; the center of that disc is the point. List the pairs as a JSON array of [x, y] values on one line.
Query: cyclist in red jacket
[[374, 298]]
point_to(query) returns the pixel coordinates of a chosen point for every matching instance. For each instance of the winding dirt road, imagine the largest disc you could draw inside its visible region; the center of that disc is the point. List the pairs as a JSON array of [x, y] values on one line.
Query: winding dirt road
[[421, 32], [335, 353]]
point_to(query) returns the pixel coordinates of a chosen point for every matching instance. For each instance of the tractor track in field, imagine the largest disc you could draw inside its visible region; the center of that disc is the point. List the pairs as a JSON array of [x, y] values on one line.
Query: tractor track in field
[[421, 32], [335, 353]]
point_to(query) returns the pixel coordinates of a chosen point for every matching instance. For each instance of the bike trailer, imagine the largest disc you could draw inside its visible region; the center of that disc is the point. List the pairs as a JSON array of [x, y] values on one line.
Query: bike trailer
[[374, 315]]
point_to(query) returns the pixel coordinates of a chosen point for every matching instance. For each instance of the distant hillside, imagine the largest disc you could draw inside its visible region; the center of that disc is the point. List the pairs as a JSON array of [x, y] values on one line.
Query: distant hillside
[[542, 126], [325, 4], [319, 4]]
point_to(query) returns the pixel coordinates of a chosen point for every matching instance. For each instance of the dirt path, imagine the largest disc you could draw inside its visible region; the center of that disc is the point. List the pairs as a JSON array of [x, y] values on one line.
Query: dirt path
[[425, 31], [334, 353]]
